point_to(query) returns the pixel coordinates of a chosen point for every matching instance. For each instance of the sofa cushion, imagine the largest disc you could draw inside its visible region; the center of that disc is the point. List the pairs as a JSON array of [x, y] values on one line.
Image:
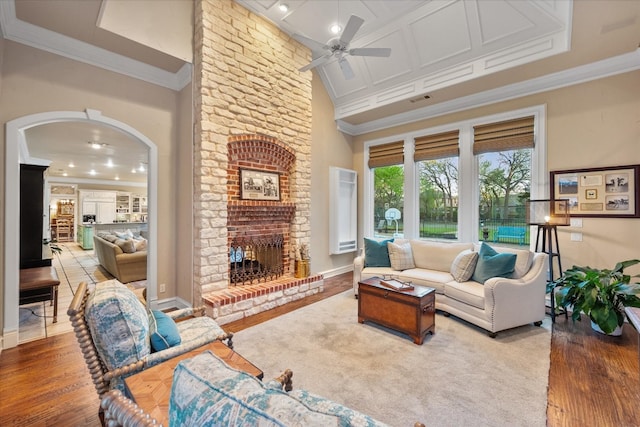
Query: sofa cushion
[[376, 253], [436, 255], [464, 265], [206, 391], [400, 255], [140, 244], [493, 264], [524, 259], [119, 324], [163, 331], [471, 293], [128, 246], [431, 278]]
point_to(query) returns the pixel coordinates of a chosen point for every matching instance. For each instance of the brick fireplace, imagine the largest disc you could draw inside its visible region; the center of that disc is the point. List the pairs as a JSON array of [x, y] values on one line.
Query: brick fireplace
[[259, 228], [259, 243], [252, 110]]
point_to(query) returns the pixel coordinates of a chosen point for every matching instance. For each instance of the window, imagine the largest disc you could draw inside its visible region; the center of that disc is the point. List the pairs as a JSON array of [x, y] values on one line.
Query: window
[[436, 158], [504, 152], [386, 162], [461, 181]]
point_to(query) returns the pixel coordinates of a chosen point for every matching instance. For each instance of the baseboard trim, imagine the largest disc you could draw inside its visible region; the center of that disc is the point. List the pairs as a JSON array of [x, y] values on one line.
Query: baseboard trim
[[337, 271]]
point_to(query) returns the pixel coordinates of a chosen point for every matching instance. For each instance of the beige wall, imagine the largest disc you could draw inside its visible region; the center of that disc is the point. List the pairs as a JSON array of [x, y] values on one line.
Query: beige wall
[[184, 192], [35, 81], [329, 147], [593, 124]]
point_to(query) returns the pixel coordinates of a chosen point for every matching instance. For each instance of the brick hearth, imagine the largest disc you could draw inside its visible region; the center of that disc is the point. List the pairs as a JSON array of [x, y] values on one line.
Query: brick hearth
[[237, 302]]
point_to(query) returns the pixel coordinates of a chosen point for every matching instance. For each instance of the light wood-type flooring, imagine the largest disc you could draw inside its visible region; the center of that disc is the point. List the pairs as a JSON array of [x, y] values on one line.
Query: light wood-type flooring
[[593, 380]]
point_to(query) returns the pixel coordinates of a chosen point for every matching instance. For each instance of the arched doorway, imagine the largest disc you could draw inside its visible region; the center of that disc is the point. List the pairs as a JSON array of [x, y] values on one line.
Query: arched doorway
[[15, 135]]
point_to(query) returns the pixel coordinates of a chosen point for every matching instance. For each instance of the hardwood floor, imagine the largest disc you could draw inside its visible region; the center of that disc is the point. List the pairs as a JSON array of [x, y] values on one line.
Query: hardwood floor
[[593, 380]]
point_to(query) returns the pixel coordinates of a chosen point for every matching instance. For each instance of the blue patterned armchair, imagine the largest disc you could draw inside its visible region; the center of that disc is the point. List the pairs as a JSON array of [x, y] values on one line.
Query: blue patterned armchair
[[114, 329]]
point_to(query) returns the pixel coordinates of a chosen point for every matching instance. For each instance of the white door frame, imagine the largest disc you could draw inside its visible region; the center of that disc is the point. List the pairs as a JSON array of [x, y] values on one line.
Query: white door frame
[[14, 139]]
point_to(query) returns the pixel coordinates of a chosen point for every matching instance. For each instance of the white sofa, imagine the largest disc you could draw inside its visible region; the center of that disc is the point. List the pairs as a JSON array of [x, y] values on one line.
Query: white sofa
[[495, 305]]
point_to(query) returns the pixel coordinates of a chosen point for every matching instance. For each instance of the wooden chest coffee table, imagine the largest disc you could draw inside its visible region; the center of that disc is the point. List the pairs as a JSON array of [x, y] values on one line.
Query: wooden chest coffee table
[[151, 388], [411, 312]]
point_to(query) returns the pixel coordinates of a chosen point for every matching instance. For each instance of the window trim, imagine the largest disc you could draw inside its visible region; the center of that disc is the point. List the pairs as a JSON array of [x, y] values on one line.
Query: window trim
[[468, 191]]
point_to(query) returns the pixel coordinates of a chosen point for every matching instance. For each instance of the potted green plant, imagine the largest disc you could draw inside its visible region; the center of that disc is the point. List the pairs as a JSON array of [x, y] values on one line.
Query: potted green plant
[[601, 294]]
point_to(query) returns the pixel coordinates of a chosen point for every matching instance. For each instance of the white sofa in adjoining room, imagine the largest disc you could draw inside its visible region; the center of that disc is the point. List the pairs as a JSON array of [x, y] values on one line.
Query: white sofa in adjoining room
[[462, 286]]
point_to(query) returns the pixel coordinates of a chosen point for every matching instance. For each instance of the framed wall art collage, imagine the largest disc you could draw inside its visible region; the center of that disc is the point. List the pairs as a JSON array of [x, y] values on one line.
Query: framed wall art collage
[[599, 192]]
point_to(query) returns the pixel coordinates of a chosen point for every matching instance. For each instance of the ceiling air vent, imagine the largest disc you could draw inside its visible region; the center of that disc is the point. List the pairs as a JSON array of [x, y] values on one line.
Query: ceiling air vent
[[420, 98]]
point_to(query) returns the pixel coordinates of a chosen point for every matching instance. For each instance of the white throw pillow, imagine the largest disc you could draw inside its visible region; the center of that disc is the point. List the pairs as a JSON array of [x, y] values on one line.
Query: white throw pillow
[[400, 256], [464, 265]]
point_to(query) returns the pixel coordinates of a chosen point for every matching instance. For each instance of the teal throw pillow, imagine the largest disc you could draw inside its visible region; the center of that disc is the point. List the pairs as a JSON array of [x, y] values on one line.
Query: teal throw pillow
[[376, 254], [163, 331], [493, 264]]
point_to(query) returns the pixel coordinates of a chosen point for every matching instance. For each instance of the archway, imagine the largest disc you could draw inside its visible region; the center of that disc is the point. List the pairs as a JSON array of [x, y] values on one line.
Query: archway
[[15, 136]]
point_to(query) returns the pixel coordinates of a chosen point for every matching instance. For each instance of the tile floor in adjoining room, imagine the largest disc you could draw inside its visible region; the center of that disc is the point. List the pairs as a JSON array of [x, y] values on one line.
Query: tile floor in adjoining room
[[73, 265]]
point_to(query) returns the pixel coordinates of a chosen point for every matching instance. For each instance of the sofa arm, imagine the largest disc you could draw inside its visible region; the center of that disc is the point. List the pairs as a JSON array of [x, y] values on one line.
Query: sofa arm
[[358, 265], [516, 302], [132, 258]]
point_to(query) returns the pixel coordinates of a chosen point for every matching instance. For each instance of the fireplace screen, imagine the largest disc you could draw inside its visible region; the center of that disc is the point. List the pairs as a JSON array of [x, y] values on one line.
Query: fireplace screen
[[255, 259]]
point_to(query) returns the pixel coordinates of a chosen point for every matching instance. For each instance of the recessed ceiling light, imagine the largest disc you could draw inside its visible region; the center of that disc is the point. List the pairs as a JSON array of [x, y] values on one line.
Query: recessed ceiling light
[[64, 174], [71, 165], [133, 170], [117, 178], [283, 7], [92, 172], [110, 163], [335, 28], [96, 145]]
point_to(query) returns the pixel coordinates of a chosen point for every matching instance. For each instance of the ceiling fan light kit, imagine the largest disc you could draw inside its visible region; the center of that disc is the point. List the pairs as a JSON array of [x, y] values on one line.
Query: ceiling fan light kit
[[339, 48]]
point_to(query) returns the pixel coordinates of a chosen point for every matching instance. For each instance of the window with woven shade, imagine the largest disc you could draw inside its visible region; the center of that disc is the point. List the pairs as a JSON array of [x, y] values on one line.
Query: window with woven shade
[[386, 154], [436, 158], [437, 146], [503, 136]]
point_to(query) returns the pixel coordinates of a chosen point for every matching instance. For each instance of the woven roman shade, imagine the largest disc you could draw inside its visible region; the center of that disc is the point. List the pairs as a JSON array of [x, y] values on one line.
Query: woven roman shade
[[502, 136], [386, 154], [438, 146]]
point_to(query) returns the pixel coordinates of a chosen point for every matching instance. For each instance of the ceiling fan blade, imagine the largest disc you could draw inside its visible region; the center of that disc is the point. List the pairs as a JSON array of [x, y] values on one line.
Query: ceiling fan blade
[[351, 29], [370, 51], [318, 61], [347, 71], [310, 43]]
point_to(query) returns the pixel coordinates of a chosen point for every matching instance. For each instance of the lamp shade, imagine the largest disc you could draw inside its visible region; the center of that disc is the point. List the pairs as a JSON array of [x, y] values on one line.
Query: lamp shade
[[548, 212]]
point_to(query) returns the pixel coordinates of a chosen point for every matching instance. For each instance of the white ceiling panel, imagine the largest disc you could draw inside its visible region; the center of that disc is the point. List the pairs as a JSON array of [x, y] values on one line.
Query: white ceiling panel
[[441, 34], [499, 20], [383, 69]]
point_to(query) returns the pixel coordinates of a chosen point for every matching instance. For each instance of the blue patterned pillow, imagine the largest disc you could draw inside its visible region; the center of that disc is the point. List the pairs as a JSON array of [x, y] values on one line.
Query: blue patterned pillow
[[493, 264], [118, 323], [376, 254], [163, 331]]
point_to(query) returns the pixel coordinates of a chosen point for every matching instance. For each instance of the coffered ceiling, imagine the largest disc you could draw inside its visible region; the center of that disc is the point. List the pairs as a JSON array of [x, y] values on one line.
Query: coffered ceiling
[[446, 55]]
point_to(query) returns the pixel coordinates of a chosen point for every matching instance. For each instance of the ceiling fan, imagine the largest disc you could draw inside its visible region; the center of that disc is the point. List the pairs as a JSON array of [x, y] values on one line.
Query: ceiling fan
[[339, 48]]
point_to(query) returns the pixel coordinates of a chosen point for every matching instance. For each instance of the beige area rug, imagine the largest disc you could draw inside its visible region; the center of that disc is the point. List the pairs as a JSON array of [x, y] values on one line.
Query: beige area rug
[[458, 377]]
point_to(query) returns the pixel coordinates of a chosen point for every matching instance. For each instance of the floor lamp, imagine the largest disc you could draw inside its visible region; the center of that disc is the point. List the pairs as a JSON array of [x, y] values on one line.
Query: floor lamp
[[547, 215]]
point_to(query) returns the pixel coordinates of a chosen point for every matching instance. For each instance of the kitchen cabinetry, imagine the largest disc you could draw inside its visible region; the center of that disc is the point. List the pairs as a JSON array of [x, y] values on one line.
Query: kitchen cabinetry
[[85, 236], [138, 204], [123, 207], [102, 204]]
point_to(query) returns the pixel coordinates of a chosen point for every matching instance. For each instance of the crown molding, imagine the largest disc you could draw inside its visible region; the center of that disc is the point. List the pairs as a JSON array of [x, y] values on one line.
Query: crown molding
[[597, 70], [31, 35]]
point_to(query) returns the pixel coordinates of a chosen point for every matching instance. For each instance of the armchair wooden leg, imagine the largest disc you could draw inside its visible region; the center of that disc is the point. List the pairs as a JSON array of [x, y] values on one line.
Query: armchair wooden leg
[[229, 340]]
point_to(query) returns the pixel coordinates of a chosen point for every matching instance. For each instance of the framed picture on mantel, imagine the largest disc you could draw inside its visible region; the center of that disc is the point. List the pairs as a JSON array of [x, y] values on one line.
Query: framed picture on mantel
[[259, 185], [610, 192]]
